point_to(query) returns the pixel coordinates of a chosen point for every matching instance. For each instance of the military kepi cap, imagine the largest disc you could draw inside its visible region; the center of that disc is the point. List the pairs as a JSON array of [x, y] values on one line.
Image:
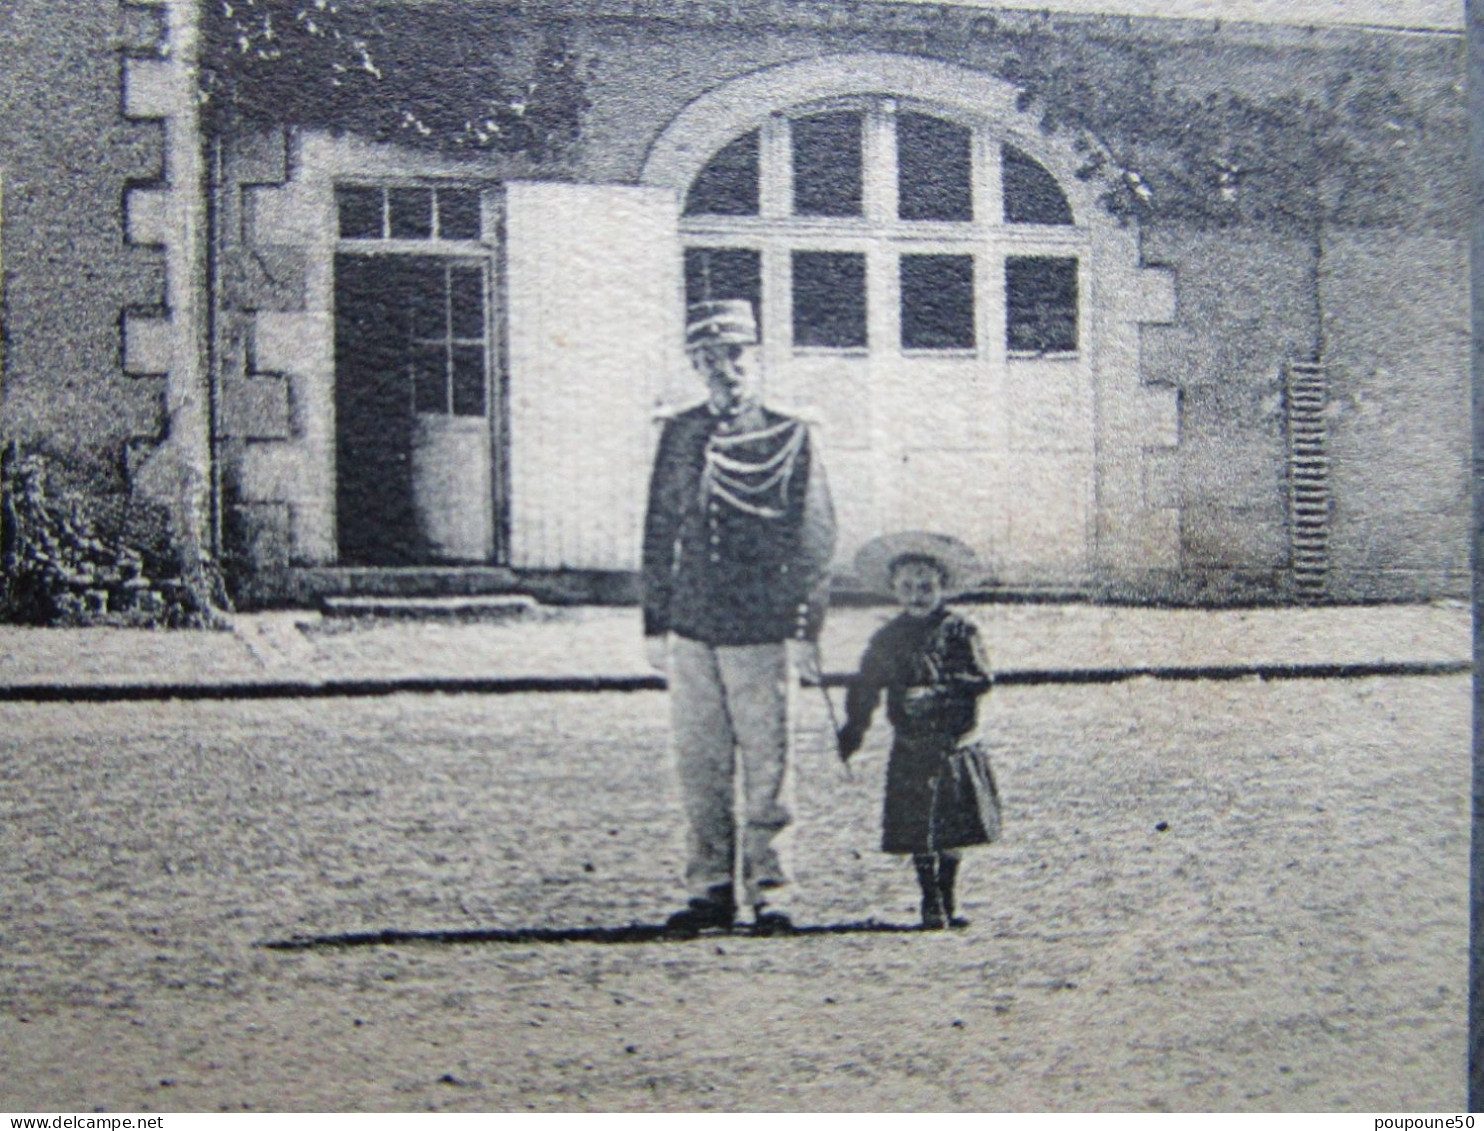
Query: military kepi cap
[[723, 322]]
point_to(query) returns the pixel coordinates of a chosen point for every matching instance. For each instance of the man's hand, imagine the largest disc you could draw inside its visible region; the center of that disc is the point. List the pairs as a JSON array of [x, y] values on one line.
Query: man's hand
[[803, 656], [657, 652]]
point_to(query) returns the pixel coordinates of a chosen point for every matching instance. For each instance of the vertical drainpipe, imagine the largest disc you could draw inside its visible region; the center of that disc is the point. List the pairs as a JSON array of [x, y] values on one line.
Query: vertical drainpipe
[[188, 392], [214, 271], [1321, 330]]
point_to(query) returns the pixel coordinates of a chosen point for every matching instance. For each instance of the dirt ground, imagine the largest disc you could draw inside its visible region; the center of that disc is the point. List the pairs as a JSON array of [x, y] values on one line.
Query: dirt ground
[[1210, 896]]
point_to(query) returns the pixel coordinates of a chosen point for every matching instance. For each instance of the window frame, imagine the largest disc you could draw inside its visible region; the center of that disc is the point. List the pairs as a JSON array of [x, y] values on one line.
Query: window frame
[[477, 253], [787, 256], [775, 232], [975, 305], [1034, 241], [483, 244], [449, 342]]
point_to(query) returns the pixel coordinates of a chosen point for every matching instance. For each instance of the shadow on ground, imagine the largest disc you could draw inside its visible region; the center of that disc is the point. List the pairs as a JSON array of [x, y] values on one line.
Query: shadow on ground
[[631, 933]]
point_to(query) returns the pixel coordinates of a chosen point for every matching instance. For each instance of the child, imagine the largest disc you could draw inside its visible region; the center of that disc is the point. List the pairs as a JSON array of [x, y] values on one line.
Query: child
[[940, 796]]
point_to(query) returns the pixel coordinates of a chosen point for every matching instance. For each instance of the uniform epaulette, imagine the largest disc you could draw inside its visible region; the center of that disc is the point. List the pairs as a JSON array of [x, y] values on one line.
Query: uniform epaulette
[[808, 414], [666, 412]]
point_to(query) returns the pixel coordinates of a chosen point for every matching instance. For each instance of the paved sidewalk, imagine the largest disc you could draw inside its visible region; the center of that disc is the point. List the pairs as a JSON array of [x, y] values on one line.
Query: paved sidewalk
[[304, 650]]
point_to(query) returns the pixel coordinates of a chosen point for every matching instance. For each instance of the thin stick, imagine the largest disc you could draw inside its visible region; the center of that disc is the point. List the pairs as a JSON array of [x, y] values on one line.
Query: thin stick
[[835, 727]]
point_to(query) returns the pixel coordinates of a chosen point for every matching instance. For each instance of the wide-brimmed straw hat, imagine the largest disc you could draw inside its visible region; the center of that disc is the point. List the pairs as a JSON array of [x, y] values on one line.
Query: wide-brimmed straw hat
[[874, 561]]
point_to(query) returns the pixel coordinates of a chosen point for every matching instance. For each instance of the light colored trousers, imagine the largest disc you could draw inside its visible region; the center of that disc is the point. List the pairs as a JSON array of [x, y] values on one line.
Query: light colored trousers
[[730, 708]]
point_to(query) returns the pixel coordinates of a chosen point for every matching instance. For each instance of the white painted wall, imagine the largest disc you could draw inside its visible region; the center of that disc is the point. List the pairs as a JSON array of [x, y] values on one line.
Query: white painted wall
[[593, 291]]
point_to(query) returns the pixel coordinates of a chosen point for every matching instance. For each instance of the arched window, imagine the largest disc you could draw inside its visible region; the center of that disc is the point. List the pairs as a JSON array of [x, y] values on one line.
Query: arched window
[[819, 200], [728, 185], [943, 297]]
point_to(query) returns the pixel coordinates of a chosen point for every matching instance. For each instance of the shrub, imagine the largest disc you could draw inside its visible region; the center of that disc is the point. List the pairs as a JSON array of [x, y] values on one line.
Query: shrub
[[74, 556]]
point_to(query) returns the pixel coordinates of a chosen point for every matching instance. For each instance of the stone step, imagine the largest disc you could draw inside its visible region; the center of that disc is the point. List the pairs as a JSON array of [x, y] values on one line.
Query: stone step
[[501, 607]]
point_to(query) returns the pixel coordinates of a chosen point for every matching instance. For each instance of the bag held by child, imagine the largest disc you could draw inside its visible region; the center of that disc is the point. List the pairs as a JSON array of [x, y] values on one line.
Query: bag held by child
[[966, 801]]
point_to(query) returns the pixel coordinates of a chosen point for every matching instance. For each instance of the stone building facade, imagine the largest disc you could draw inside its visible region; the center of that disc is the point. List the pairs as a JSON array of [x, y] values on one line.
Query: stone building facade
[[359, 364]]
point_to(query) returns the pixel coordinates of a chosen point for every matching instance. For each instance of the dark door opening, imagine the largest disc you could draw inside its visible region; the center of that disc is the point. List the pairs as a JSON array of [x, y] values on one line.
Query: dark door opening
[[415, 473]]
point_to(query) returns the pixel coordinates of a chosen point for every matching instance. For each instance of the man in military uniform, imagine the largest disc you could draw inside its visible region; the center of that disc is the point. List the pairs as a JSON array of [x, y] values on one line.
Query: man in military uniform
[[737, 545]]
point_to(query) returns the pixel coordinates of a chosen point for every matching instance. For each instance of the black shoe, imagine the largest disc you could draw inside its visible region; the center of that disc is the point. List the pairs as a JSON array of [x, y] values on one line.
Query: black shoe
[[933, 918], [772, 923], [957, 922], [716, 911]]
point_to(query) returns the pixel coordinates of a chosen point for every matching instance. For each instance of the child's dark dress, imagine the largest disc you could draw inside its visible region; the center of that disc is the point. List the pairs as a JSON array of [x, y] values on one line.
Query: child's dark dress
[[933, 670]]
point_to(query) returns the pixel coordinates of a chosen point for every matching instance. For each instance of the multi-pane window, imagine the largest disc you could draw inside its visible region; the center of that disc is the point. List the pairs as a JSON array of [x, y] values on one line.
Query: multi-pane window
[[1031, 194], [865, 202], [408, 213], [935, 177], [431, 308], [829, 292], [728, 185], [827, 167], [1040, 304], [446, 344], [724, 272], [937, 302]]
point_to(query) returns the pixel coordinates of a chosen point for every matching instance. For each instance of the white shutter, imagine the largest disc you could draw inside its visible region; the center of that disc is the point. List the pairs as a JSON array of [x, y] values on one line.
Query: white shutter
[[594, 303]]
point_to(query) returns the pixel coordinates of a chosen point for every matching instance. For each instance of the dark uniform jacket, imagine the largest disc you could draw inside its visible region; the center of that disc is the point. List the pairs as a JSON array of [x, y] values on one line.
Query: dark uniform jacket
[[739, 532]]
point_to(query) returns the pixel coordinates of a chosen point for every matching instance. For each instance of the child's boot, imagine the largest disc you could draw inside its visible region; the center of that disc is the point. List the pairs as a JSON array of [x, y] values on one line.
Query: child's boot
[[947, 874], [934, 918]]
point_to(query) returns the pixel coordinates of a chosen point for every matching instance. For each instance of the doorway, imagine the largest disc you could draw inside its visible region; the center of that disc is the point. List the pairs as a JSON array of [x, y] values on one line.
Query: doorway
[[416, 462]]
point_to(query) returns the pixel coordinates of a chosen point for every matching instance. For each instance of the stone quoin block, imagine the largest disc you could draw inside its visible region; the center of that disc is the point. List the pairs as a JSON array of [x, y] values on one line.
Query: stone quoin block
[[149, 88], [311, 534], [1133, 541], [1159, 538], [1146, 416], [288, 343], [147, 216], [1151, 299], [280, 215], [142, 28], [279, 473], [256, 408], [147, 346], [260, 159], [270, 277], [1160, 413]]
